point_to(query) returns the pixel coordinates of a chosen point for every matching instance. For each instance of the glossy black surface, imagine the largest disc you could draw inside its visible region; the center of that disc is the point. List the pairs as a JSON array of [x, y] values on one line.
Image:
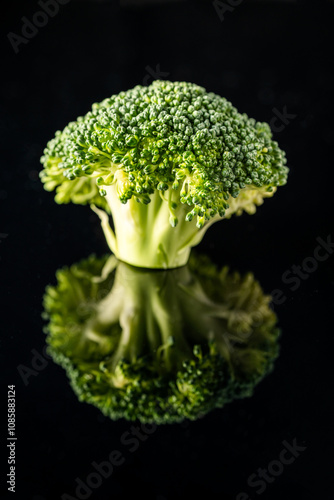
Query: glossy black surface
[[262, 58]]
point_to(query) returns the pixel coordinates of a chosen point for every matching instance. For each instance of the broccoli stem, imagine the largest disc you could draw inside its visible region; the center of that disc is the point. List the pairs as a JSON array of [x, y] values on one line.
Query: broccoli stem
[[167, 309], [130, 305], [125, 305], [149, 315], [108, 232], [132, 341], [144, 234], [157, 234]]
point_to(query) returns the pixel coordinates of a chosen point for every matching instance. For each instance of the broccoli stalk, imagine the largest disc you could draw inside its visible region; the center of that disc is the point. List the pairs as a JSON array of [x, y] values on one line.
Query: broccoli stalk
[[144, 235], [166, 161], [159, 345], [149, 318], [143, 231]]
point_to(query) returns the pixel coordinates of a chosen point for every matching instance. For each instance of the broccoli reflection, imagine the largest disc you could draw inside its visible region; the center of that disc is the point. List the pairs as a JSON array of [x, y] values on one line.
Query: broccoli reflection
[[159, 346]]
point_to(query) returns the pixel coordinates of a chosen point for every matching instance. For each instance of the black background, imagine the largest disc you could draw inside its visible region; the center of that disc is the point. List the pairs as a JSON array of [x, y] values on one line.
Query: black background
[[262, 56]]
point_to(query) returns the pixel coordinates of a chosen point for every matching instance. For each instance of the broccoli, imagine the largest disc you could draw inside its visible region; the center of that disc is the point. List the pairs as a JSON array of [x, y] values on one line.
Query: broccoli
[[166, 161], [159, 346]]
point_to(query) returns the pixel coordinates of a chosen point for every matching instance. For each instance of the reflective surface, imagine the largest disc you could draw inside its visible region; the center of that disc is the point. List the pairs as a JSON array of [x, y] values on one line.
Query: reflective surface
[[160, 346], [268, 58]]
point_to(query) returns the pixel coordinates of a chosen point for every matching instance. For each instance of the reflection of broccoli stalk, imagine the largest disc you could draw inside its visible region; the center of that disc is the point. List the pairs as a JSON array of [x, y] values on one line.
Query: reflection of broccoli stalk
[[159, 345]]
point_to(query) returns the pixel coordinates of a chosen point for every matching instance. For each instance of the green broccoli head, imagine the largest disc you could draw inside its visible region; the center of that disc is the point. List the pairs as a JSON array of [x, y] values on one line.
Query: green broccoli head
[[159, 346], [166, 161]]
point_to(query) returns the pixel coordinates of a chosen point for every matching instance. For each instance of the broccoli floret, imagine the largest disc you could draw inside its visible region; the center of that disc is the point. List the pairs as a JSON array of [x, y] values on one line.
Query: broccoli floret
[[166, 161], [159, 346]]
